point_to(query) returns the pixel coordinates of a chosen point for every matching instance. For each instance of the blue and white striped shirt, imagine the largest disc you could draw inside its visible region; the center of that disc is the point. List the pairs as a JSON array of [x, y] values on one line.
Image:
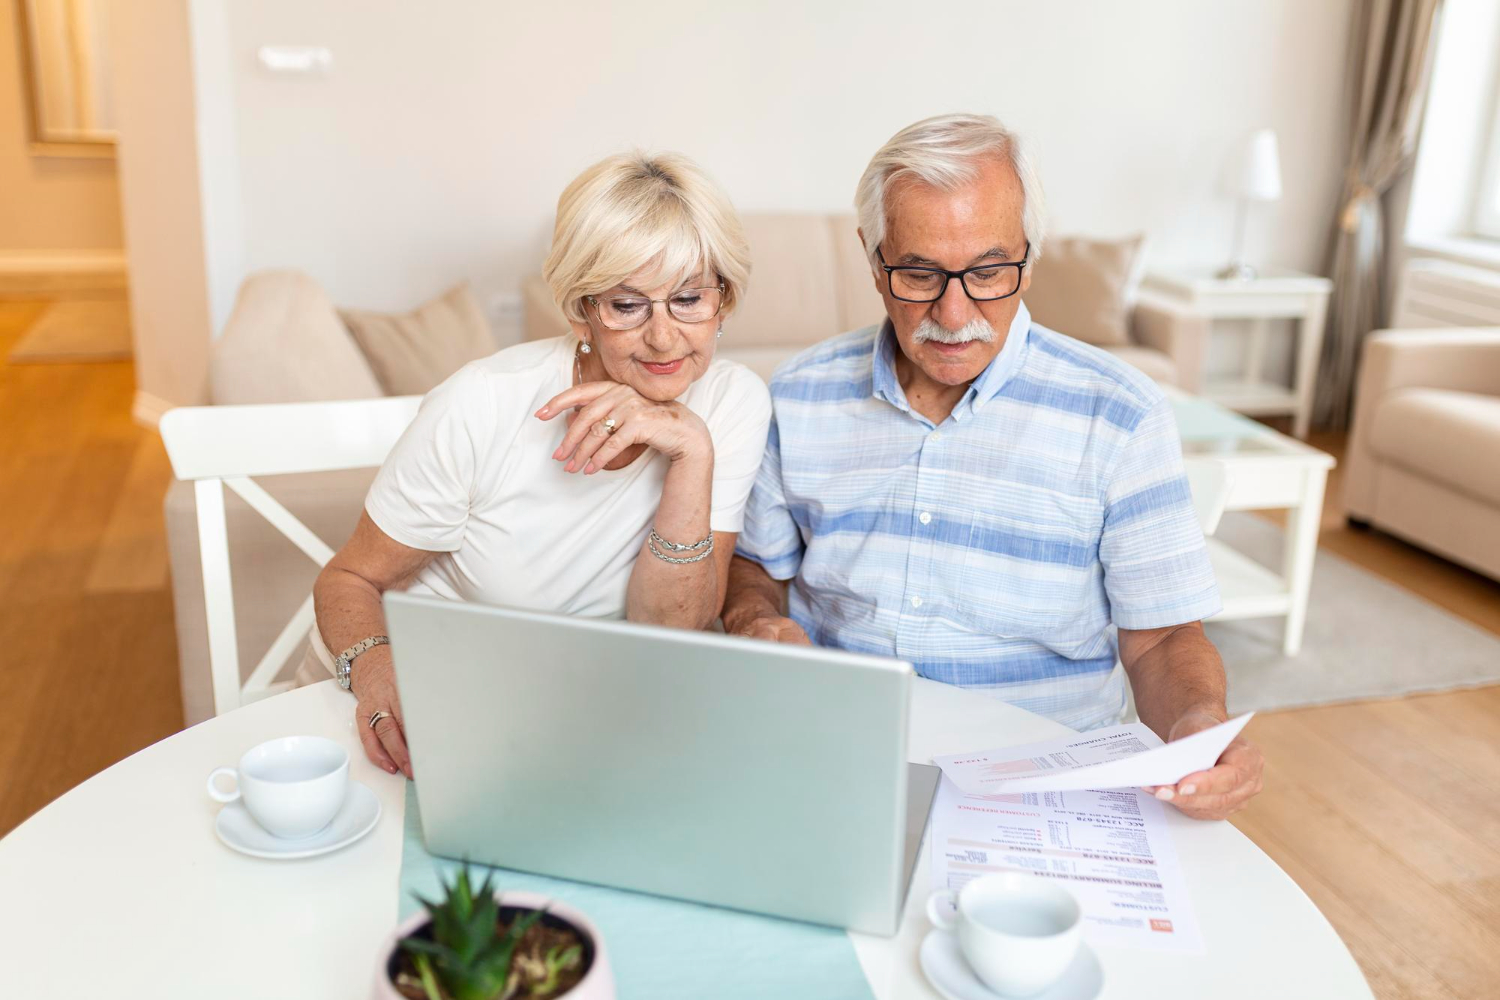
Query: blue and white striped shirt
[[996, 549]]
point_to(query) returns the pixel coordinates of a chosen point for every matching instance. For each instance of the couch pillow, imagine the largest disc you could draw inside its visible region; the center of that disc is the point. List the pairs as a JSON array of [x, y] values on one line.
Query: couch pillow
[[1084, 288], [411, 353], [284, 343]]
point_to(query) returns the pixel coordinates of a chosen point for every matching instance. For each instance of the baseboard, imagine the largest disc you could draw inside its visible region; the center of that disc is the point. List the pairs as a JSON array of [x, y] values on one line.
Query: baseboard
[[55, 272], [148, 409]]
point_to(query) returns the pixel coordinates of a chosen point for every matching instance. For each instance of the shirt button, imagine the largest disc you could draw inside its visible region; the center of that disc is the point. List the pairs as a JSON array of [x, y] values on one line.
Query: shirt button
[[924, 517], [935, 437], [916, 602]]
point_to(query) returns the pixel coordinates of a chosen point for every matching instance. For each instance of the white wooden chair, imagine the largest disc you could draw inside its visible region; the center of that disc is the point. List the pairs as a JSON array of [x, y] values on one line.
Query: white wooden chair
[[219, 446]]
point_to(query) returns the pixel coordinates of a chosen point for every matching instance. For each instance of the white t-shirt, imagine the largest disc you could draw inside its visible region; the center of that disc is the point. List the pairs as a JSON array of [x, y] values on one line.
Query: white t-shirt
[[473, 479]]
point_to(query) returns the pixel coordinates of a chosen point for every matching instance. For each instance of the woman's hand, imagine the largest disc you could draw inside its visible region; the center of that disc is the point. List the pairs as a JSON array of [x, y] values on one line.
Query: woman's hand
[[670, 428], [374, 685]]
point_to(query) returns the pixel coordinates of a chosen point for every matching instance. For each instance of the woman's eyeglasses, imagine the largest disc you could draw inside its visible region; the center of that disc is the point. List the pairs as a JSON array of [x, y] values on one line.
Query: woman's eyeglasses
[[687, 305]]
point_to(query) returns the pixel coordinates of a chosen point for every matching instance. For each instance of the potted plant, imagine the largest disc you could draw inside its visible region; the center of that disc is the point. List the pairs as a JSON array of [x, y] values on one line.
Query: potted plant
[[485, 945]]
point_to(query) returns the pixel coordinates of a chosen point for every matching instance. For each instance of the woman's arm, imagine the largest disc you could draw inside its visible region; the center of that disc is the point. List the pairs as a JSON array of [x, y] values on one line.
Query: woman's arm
[[682, 594], [346, 600]]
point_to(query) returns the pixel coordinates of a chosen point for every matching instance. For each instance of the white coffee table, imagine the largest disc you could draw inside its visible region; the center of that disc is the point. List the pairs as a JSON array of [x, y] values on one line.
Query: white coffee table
[[121, 886], [1266, 471]]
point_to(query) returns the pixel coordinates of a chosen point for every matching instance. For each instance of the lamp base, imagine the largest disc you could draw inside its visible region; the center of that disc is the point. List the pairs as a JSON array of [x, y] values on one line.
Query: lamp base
[[1238, 271]]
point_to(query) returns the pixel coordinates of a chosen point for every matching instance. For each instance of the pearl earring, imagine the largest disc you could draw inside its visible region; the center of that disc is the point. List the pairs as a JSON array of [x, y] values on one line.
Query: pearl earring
[[584, 348], [720, 333]]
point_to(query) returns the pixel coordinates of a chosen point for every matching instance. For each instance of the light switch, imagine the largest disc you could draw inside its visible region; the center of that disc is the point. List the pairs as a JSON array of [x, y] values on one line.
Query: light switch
[[305, 59]]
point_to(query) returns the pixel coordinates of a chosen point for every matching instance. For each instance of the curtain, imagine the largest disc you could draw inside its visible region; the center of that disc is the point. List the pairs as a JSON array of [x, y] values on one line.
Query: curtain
[[1390, 64]]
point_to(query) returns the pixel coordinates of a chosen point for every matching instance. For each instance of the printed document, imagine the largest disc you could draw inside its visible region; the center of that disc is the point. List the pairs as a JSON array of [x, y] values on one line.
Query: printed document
[[1119, 757], [1111, 848]]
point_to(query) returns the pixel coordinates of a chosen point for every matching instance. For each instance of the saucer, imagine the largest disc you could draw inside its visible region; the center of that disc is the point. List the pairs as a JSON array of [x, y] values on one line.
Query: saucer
[[944, 966], [355, 818]]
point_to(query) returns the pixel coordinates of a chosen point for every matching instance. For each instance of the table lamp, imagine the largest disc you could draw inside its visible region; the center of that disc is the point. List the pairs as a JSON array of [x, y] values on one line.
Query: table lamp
[[1254, 175]]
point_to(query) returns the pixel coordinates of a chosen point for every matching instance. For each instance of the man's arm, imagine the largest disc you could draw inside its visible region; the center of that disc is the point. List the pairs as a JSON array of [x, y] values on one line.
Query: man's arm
[[753, 605], [1178, 680]]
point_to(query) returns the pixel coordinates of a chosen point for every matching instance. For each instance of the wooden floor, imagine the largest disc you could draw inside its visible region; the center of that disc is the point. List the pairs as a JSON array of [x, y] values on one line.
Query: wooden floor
[[1386, 813]]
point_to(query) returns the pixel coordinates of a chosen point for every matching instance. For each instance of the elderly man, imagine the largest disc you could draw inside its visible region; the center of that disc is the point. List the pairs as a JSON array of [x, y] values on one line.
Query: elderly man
[[969, 491]]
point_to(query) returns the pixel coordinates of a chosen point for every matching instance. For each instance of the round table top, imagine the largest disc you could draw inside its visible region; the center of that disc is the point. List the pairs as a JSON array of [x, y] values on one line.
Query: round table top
[[120, 885]]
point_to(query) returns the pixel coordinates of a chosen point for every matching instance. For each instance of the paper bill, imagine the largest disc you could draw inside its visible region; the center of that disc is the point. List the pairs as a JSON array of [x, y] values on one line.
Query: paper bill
[[1119, 757]]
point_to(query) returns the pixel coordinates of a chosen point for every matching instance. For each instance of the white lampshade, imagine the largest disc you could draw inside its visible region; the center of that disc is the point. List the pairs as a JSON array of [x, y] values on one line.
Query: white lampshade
[[1255, 173]]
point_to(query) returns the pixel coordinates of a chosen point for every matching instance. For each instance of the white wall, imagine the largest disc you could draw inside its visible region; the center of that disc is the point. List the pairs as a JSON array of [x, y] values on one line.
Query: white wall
[[436, 147], [162, 206]]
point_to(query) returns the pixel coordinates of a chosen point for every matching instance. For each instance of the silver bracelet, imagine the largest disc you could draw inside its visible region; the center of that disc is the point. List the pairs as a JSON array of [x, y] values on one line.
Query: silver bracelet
[[651, 541], [707, 543]]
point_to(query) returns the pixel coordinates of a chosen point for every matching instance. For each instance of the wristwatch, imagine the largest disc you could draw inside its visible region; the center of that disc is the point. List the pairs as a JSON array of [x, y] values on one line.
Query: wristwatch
[[345, 660]]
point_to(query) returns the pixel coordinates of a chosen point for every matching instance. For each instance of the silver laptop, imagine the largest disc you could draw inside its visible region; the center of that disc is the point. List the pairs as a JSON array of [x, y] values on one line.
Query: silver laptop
[[722, 770]]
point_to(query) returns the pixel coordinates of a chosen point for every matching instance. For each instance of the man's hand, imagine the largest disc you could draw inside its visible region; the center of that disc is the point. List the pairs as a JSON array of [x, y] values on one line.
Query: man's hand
[[772, 627], [1224, 788]]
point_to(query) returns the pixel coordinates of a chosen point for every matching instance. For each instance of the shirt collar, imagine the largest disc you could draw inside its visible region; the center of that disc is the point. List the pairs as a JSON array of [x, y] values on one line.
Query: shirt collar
[[990, 381]]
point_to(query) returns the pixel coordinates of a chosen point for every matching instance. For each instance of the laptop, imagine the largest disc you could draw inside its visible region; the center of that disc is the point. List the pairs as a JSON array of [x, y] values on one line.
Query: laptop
[[705, 767]]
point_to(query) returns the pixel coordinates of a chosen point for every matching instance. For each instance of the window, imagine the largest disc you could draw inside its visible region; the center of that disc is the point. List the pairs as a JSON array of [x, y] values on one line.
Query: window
[[1487, 191]]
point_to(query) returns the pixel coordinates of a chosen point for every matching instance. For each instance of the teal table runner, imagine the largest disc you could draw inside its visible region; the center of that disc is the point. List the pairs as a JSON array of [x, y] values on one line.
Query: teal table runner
[[664, 948]]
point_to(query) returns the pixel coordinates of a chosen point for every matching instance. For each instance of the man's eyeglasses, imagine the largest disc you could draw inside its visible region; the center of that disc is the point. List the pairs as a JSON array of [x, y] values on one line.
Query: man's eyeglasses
[[686, 305], [984, 283]]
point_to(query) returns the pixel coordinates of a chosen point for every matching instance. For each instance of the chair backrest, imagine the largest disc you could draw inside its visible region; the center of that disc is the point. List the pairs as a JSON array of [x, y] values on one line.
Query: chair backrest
[[219, 446], [1210, 482]]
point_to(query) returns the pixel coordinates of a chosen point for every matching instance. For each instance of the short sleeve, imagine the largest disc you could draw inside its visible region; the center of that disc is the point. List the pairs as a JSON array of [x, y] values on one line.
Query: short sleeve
[[738, 428], [421, 495], [1156, 568], [771, 536]]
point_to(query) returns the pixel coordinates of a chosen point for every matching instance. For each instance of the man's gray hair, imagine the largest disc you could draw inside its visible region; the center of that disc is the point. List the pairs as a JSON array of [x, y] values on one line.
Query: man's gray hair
[[941, 152]]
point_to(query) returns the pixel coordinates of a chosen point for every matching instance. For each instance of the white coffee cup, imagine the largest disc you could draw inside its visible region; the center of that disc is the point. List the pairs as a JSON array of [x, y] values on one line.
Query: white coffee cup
[[292, 786], [1018, 932]]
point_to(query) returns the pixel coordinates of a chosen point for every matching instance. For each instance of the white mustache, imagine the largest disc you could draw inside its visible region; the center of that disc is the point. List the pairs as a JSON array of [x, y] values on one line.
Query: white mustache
[[975, 329]]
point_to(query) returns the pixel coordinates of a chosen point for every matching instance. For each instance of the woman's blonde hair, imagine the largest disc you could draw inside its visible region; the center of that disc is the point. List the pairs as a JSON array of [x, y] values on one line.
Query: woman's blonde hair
[[632, 211]]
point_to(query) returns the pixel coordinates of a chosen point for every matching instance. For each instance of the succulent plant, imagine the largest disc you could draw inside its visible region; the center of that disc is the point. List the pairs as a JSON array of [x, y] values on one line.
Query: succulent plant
[[466, 959]]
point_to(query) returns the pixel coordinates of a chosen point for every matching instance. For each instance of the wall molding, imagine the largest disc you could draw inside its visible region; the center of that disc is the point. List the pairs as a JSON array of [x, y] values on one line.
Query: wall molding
[[62, 271], [147, 409]]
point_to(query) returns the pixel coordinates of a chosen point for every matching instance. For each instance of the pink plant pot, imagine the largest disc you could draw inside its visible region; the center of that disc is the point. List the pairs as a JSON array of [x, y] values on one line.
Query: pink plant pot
[[597, 984]]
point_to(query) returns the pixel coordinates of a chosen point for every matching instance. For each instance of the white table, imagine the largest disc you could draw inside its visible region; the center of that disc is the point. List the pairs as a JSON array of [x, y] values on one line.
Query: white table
[[1266, 471], [1275, 294], [121, 886]]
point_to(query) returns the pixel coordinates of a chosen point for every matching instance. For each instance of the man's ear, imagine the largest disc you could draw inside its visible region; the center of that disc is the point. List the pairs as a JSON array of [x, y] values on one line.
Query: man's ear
[[1025, 278]]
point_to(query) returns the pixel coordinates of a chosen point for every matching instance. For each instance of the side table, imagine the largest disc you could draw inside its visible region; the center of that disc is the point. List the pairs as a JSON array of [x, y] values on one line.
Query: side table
[[1278, 293]]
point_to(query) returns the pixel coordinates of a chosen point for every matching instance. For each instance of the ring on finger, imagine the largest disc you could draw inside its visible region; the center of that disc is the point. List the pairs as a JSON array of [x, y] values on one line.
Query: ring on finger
[[377, 716], [610, 425]]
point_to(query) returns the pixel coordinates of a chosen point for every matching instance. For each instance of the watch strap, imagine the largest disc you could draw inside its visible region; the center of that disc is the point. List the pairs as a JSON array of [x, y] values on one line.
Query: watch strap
[[345, 660]]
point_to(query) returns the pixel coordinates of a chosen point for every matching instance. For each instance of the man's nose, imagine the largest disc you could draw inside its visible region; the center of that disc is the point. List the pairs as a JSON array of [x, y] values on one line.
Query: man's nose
[[955, 308]]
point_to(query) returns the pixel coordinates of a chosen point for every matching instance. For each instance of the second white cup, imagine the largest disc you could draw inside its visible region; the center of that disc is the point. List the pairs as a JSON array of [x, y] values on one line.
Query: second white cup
[[292, 786], [1018, 932]]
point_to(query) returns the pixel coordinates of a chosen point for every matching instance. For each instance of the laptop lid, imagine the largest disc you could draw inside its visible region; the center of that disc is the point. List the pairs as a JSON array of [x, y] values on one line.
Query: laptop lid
[[718, 769]]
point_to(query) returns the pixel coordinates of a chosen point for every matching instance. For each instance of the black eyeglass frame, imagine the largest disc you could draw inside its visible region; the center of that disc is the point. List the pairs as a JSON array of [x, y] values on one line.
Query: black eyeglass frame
[[651, 307], [950, 275]]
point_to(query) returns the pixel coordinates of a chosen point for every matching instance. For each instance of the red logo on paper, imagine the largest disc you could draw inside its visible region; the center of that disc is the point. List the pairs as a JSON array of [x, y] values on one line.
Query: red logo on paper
[[1162, 925]]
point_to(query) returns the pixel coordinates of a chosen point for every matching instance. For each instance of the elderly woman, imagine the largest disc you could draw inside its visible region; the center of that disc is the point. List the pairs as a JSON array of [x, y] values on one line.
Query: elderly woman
[[602, 473]]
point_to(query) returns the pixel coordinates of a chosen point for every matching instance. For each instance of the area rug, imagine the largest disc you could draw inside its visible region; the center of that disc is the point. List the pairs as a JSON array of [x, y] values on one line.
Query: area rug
[[74, 330], [1365, 637]]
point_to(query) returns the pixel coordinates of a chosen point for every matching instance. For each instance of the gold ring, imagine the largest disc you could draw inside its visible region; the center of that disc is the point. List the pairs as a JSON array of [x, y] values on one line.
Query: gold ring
[[609, 424], [377, 716]]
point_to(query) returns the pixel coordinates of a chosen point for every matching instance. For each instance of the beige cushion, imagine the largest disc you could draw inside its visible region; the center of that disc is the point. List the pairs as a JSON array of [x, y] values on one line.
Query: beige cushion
[[1084, 288], [793, 296], [411, 353], [284, 344], [1157, 364], [1452, 437], [860, 304]]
